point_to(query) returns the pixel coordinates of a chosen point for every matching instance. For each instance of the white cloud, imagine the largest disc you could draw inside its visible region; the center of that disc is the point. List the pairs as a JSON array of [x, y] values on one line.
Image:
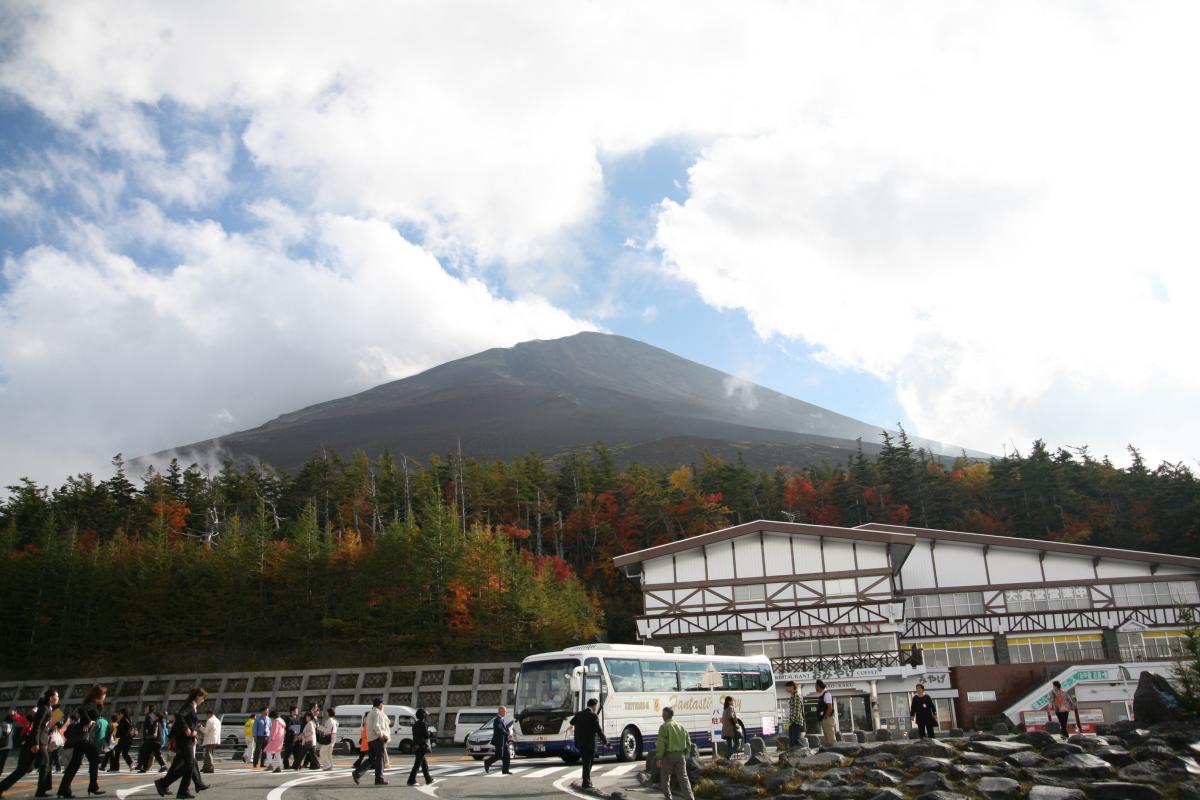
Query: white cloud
[[102, 355], [1005, 232]]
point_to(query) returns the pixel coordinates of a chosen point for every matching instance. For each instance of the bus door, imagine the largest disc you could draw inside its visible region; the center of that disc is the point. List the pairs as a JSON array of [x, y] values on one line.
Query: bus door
[[594, 686]]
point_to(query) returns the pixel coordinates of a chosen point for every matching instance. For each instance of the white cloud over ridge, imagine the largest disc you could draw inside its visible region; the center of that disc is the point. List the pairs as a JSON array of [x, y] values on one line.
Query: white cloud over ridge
[[987, 205]]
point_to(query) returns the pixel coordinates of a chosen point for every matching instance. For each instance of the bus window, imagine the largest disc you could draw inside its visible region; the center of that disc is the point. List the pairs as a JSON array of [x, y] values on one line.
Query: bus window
[[625, 674], [690, 677], [592, 665], [766, 678], [731, 676], [660, 676]]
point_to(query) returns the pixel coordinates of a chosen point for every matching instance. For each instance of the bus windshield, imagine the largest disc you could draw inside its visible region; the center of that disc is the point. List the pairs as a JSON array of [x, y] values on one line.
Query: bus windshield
[[546, 686]]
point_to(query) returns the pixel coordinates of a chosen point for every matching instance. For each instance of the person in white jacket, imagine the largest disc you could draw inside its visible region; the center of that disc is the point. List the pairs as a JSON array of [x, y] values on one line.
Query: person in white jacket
[[329, 728], [212, 738], [378, 726]]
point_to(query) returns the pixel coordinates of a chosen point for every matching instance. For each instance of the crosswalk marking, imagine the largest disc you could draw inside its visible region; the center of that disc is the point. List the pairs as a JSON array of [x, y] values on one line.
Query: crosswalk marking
[[621, 769], [541, 773]]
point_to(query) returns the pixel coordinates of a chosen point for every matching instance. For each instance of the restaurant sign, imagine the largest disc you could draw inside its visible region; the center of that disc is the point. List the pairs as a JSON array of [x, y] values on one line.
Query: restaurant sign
[[830, 631]]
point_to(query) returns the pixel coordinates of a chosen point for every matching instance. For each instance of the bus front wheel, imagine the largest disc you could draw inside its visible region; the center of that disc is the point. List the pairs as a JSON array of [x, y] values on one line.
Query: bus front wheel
[[631, 745]]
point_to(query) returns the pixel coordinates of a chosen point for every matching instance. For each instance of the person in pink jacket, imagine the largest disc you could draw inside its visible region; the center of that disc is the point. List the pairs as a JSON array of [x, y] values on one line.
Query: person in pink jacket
[[274, 748]]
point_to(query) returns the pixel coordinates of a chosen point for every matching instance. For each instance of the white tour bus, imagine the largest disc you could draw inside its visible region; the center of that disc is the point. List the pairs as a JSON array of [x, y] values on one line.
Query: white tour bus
[[349, 733], [468, 720], [632, 684]]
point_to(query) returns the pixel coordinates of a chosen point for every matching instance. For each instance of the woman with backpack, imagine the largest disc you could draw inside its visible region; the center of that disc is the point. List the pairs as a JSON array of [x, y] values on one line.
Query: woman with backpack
[[34, 741], [80, 738]]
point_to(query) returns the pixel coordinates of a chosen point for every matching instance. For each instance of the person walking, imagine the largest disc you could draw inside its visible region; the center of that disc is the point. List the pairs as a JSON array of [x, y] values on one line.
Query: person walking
[[923, 711], [262, 729], [33, 742], [364, 752], [729, 727], [183, 736], [273, 746], [670, 751], [8, 736], [376, 726], [326, 736], [153, 734], [586, 725], [212, 739], [825, 711], [795, 715], [310, 757], [123, 731], [248, 742], [306, 742], [1062, 705], [79, 738], [501, 735], [421, 749], [292, 721]]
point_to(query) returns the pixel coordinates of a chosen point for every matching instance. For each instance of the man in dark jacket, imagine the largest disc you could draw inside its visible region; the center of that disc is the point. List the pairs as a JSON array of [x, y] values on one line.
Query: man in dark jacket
[[124, 735], [501, 736], [587, 728], [924, 712], [183, 736]]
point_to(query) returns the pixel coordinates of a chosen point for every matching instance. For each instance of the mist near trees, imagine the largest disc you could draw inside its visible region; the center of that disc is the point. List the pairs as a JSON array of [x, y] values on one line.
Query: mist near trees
[[355, 561]]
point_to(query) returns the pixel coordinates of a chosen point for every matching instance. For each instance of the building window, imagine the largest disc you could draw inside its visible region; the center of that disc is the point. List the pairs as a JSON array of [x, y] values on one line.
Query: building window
[[959, 604], [1059, 647], [749, 592], [837, 647], [841, 587], [1161, 593], [1050, 598], [956, 654], [1146, 645]]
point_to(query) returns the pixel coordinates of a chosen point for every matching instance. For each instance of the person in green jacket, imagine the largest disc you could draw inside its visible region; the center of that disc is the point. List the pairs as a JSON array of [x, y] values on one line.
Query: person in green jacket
[[671, 751]]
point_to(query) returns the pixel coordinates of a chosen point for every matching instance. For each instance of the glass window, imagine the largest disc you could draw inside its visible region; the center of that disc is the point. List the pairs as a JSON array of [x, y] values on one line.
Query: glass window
[[625, 674], [1050, 598], [957, 604], [660, 676], [546, 686], [1160, 593], [731, 675], [766, 678], [1058, 647], [691, 677], [754, 591]]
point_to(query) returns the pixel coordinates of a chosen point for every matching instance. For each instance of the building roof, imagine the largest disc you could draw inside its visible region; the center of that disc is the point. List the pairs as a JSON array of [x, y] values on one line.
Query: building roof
[[988, 540], [902, 541]]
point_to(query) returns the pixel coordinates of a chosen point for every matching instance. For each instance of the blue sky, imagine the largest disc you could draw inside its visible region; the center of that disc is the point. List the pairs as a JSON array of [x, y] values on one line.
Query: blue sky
[[211, 219]]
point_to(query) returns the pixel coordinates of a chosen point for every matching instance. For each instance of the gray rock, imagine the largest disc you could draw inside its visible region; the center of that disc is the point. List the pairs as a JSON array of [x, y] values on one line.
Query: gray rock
[[840, 776], [1119, 790], [1049, 777], [1152, 752], [821, 761], [794, 756], [998, 748], [1061, 749], [1088, 765], [976, 758], [883, 735], [1184, 764], [1053, 727], [1025, 758], [736, 791], [860, 736], [1155, 701], [875, 760], [879, 777], [955, 733], [848, 749], [1188, 790], [814, 741], [928, 781], [940, 795], [782, 744], [1117, 756], [972, 771], [1002, 729], [928, 747], [1146, 772], [997, 788], [928, 763], [1039, 739], [1088, 741], [775, 783], [888, 793], [1054, 793], [984, 737]]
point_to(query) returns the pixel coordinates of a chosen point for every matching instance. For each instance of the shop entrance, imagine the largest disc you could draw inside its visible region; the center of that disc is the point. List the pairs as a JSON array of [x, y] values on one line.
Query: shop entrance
[[853, 712]]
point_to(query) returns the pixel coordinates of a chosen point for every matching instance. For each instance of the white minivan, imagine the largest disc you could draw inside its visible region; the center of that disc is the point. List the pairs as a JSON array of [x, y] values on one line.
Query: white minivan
[[468, 720], [350, 717]]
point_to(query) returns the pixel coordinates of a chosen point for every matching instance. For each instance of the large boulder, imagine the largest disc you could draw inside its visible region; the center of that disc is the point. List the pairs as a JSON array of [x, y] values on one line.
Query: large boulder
[[1152, 751], [1025, 759], [1087, 764], [1146, 772], [823, 760], [1117, 756], [848, 749], [879, 777], [997, 748], [1156, 701], [928, 747], [1120, 790], [972, 771], [875, 760], [1039, 739], [1061, 749], [928, 782], [928, 763], [997, 788]]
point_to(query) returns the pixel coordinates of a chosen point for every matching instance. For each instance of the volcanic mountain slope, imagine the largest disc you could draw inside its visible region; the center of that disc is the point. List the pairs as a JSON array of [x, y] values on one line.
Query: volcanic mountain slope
[[549, 397]]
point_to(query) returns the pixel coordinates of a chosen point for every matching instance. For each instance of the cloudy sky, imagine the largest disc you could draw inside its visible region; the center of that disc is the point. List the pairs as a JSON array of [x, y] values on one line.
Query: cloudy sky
[[976, 218]]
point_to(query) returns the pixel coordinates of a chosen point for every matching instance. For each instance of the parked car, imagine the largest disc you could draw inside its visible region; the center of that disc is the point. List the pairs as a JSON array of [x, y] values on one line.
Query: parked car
[[349, 718], [468, 720], [479, 743]]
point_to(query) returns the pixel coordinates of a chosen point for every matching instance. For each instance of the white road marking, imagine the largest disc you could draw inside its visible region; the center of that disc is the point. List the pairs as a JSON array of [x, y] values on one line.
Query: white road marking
[[541, 773], [561, 785], [123, 793], [621, 769]]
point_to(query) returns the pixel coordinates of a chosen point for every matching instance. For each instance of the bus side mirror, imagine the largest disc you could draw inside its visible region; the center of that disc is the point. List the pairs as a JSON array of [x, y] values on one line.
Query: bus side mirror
[[577, 680]]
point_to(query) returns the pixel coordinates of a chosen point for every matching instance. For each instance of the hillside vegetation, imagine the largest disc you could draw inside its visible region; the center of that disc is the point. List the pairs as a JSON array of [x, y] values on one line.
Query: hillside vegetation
[[358, 561]]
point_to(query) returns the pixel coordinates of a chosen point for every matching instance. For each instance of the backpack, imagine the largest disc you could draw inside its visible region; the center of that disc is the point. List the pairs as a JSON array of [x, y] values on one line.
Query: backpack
[[99, 733]]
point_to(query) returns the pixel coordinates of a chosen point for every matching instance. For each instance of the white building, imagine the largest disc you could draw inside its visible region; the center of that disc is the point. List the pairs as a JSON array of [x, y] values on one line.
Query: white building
[[849, 604]]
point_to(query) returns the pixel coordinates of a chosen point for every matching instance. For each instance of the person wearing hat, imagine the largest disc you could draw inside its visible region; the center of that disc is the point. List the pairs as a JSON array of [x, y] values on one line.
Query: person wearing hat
[[377, 726]]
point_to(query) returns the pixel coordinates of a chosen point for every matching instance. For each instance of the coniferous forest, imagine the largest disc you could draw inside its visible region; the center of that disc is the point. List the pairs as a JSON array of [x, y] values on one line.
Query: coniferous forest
[[359, 561]]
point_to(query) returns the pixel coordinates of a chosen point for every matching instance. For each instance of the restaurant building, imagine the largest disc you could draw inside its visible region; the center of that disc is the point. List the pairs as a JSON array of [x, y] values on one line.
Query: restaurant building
[[876, 609]]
